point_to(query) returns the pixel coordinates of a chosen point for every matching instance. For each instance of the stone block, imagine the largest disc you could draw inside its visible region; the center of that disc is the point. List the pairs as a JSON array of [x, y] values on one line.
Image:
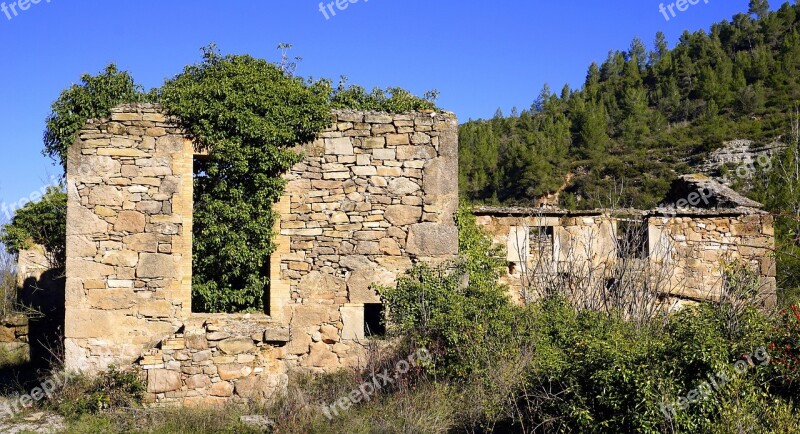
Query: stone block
[[361, 283], [390, 247], [121, 258], [432, 239], [321, 356], [339, 146], [312, 286], [222, 389], [397, 139], [88, 269], [169, 145], [82, 221], [257, 387], [154, 265], [403, 186], [378, 118], [162, 380], [105, 195], [235, 346], [416, 152], [147, 242], [299, 344], [81, 246], [199, 381], [329, 334], [196, 341], [374, 143], [277, 335], [233, 372], [364, 170], [353, 322], [402, 215]]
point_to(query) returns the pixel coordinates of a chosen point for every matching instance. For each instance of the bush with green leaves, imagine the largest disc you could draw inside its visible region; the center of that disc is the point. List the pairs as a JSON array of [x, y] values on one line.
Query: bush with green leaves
[[93, 98], [111, 390], [549, 366], [249, 113], [41, 223], [456, 311]]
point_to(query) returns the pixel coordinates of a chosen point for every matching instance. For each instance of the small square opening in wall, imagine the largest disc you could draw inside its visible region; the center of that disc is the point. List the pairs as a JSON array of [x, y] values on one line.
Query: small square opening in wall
[[374, 320], [632, 239]]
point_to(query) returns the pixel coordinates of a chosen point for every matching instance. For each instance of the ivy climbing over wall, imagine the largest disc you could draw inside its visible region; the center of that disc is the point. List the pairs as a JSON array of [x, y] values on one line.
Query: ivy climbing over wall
[[249, 113]]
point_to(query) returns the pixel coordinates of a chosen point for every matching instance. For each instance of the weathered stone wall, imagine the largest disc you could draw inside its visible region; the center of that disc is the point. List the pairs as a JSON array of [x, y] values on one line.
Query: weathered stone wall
[[129, 225], [32, 264], [577, 243], [14, 336], [374, 194], [689, 254], [217, 358], [704, 246]]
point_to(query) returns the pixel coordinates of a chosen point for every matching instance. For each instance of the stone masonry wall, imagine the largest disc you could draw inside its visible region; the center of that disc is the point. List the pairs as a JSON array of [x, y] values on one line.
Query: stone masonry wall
[[374, 194], [14, 337], [690, 253], [215, 359], [129, 225], [703, 245]]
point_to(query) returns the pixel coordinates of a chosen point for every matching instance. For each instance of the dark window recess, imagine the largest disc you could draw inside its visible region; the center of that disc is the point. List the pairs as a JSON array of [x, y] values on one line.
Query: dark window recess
[[542, 241], [632, 239], [612, 286], [374, 320]]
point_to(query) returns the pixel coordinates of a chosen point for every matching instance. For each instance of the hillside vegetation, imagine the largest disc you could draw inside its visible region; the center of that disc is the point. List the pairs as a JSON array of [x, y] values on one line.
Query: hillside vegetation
[[642, 117]]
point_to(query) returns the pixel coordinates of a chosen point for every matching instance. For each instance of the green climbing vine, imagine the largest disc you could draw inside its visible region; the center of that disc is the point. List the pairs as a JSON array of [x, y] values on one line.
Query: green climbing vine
[[249, 113]]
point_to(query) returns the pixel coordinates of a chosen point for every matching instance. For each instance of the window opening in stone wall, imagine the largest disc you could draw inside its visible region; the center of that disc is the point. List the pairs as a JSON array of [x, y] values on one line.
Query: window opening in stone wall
[[541, 248], [374, 320], [632, 239], [203, 291]]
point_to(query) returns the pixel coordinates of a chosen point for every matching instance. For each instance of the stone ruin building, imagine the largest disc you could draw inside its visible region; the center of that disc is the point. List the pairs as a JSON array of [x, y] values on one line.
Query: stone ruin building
[[374, 194], [685, 250]]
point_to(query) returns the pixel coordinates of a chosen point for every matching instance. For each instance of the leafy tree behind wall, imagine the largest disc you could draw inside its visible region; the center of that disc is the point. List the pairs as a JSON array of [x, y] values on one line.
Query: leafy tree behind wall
[[40, 223]]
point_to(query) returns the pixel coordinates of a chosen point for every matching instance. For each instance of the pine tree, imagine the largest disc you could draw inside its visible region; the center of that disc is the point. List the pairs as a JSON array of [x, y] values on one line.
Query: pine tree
[[638, 53], [759, 8]]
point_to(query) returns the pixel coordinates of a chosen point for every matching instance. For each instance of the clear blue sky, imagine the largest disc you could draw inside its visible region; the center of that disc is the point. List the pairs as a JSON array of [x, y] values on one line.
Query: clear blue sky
[[480, 55]]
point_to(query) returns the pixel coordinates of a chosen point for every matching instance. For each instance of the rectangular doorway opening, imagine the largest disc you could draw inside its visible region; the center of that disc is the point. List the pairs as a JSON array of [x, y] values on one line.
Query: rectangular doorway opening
[[374, 320]]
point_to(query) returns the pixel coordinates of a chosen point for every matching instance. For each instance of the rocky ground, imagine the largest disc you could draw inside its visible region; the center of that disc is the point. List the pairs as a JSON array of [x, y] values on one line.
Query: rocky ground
[[30, 422]]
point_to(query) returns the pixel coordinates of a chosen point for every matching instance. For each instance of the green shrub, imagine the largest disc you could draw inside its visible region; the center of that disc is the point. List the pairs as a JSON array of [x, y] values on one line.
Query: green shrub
[[457, 311], [93, 98], [249, 113], [550, 366], [111, 390]]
